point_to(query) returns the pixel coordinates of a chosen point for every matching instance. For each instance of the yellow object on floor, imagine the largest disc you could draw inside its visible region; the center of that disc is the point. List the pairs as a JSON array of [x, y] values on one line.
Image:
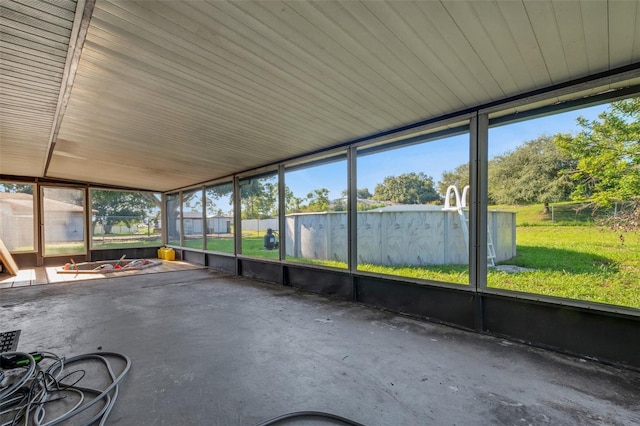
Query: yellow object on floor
[[166, 253]]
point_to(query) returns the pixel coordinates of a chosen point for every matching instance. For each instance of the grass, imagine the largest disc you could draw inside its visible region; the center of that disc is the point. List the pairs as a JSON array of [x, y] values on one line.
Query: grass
[[565, 213], [455, 274], [223, 245], [55, 249], [570, 257], [98, 244], [252, 245], [577, 262], [319, 262]]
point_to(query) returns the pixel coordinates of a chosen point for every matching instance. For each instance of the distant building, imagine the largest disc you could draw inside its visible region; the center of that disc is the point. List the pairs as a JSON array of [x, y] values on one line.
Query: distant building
[[63, 221], [216, 224]]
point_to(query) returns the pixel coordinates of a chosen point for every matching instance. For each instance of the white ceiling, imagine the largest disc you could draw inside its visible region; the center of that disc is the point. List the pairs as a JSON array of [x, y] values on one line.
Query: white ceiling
[[169, 94]]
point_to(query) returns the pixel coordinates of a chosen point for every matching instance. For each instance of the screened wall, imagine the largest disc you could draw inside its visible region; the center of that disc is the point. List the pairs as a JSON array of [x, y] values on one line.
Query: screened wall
[[454, 221], [220, 229], [121, 219], [75, 220], [572, 181], [17, 216], [259, 213], [63, 217], [316, 212], [556, 220], [192, 219], [408, 208], [404, 226]]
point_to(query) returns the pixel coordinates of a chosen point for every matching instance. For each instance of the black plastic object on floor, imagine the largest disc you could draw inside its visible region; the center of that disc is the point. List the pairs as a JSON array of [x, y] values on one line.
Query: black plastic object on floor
[[9, 341]]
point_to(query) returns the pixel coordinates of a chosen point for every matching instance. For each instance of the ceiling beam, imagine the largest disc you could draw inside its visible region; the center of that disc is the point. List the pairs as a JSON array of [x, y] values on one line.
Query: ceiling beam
[[82, 19]]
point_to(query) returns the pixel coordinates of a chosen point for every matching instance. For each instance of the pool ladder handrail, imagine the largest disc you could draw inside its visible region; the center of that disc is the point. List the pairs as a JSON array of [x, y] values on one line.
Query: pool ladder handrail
[[461, 204]]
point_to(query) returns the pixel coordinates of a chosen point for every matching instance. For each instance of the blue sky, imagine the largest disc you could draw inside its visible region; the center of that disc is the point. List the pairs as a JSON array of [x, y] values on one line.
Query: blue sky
[[434, 157]]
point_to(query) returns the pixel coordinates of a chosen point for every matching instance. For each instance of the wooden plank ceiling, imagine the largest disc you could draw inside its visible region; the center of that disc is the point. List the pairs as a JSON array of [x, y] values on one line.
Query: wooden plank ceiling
[[169, 94], [34, 41]]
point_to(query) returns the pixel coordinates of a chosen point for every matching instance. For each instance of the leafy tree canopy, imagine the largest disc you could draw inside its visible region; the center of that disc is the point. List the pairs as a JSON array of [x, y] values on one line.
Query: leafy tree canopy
[[259, 197], [458, 177], [267, 203], [318, 200], [362, 193], [112, 207], [216, 193], [607, 155], [292, 203], [408, 188], [16, 188], [250, 191], [534, 172]]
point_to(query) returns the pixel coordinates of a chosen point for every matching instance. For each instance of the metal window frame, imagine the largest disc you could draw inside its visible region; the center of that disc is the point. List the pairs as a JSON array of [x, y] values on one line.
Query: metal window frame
[[41, 218]]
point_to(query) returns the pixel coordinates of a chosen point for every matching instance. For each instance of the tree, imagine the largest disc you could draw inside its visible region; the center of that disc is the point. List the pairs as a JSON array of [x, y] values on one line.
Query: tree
[[534, 172], [16, 188], [173, 212], [408, 188], [607, 155], [458, 177], [339, 205], [112, 207], [215, 193], [318, 200], [362, 194], [250, 191], [259, 198], [267, 201], [292, 203], [192, 201]]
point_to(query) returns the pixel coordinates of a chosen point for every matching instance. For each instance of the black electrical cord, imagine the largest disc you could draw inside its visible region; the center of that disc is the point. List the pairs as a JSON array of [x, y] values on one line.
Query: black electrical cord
[[25, 400], [297, 414]]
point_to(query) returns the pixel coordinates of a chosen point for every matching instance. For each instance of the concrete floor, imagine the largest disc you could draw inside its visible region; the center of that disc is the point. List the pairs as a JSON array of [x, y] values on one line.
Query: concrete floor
[[211, 349]]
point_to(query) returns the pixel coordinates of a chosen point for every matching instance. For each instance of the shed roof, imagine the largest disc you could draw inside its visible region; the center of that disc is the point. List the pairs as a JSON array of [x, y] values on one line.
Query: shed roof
[[22, 201]]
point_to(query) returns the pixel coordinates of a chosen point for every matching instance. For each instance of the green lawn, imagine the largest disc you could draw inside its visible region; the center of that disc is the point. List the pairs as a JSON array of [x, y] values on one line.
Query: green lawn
[[224, 245], [570, 256], [55, 249], [565, 213], [578, 262], [98, 244], [252, 245]]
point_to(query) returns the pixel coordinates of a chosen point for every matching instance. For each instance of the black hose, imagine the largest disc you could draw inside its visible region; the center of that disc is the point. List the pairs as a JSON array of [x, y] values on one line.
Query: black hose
[[297, 414]]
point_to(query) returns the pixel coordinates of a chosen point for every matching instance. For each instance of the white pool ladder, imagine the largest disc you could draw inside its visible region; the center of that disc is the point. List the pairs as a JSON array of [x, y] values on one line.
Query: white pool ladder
[[461, 204]]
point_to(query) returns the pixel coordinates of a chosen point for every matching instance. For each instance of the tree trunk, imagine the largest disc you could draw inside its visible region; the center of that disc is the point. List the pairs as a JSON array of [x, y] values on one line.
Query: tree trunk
[[173, 213], [546, 208]]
